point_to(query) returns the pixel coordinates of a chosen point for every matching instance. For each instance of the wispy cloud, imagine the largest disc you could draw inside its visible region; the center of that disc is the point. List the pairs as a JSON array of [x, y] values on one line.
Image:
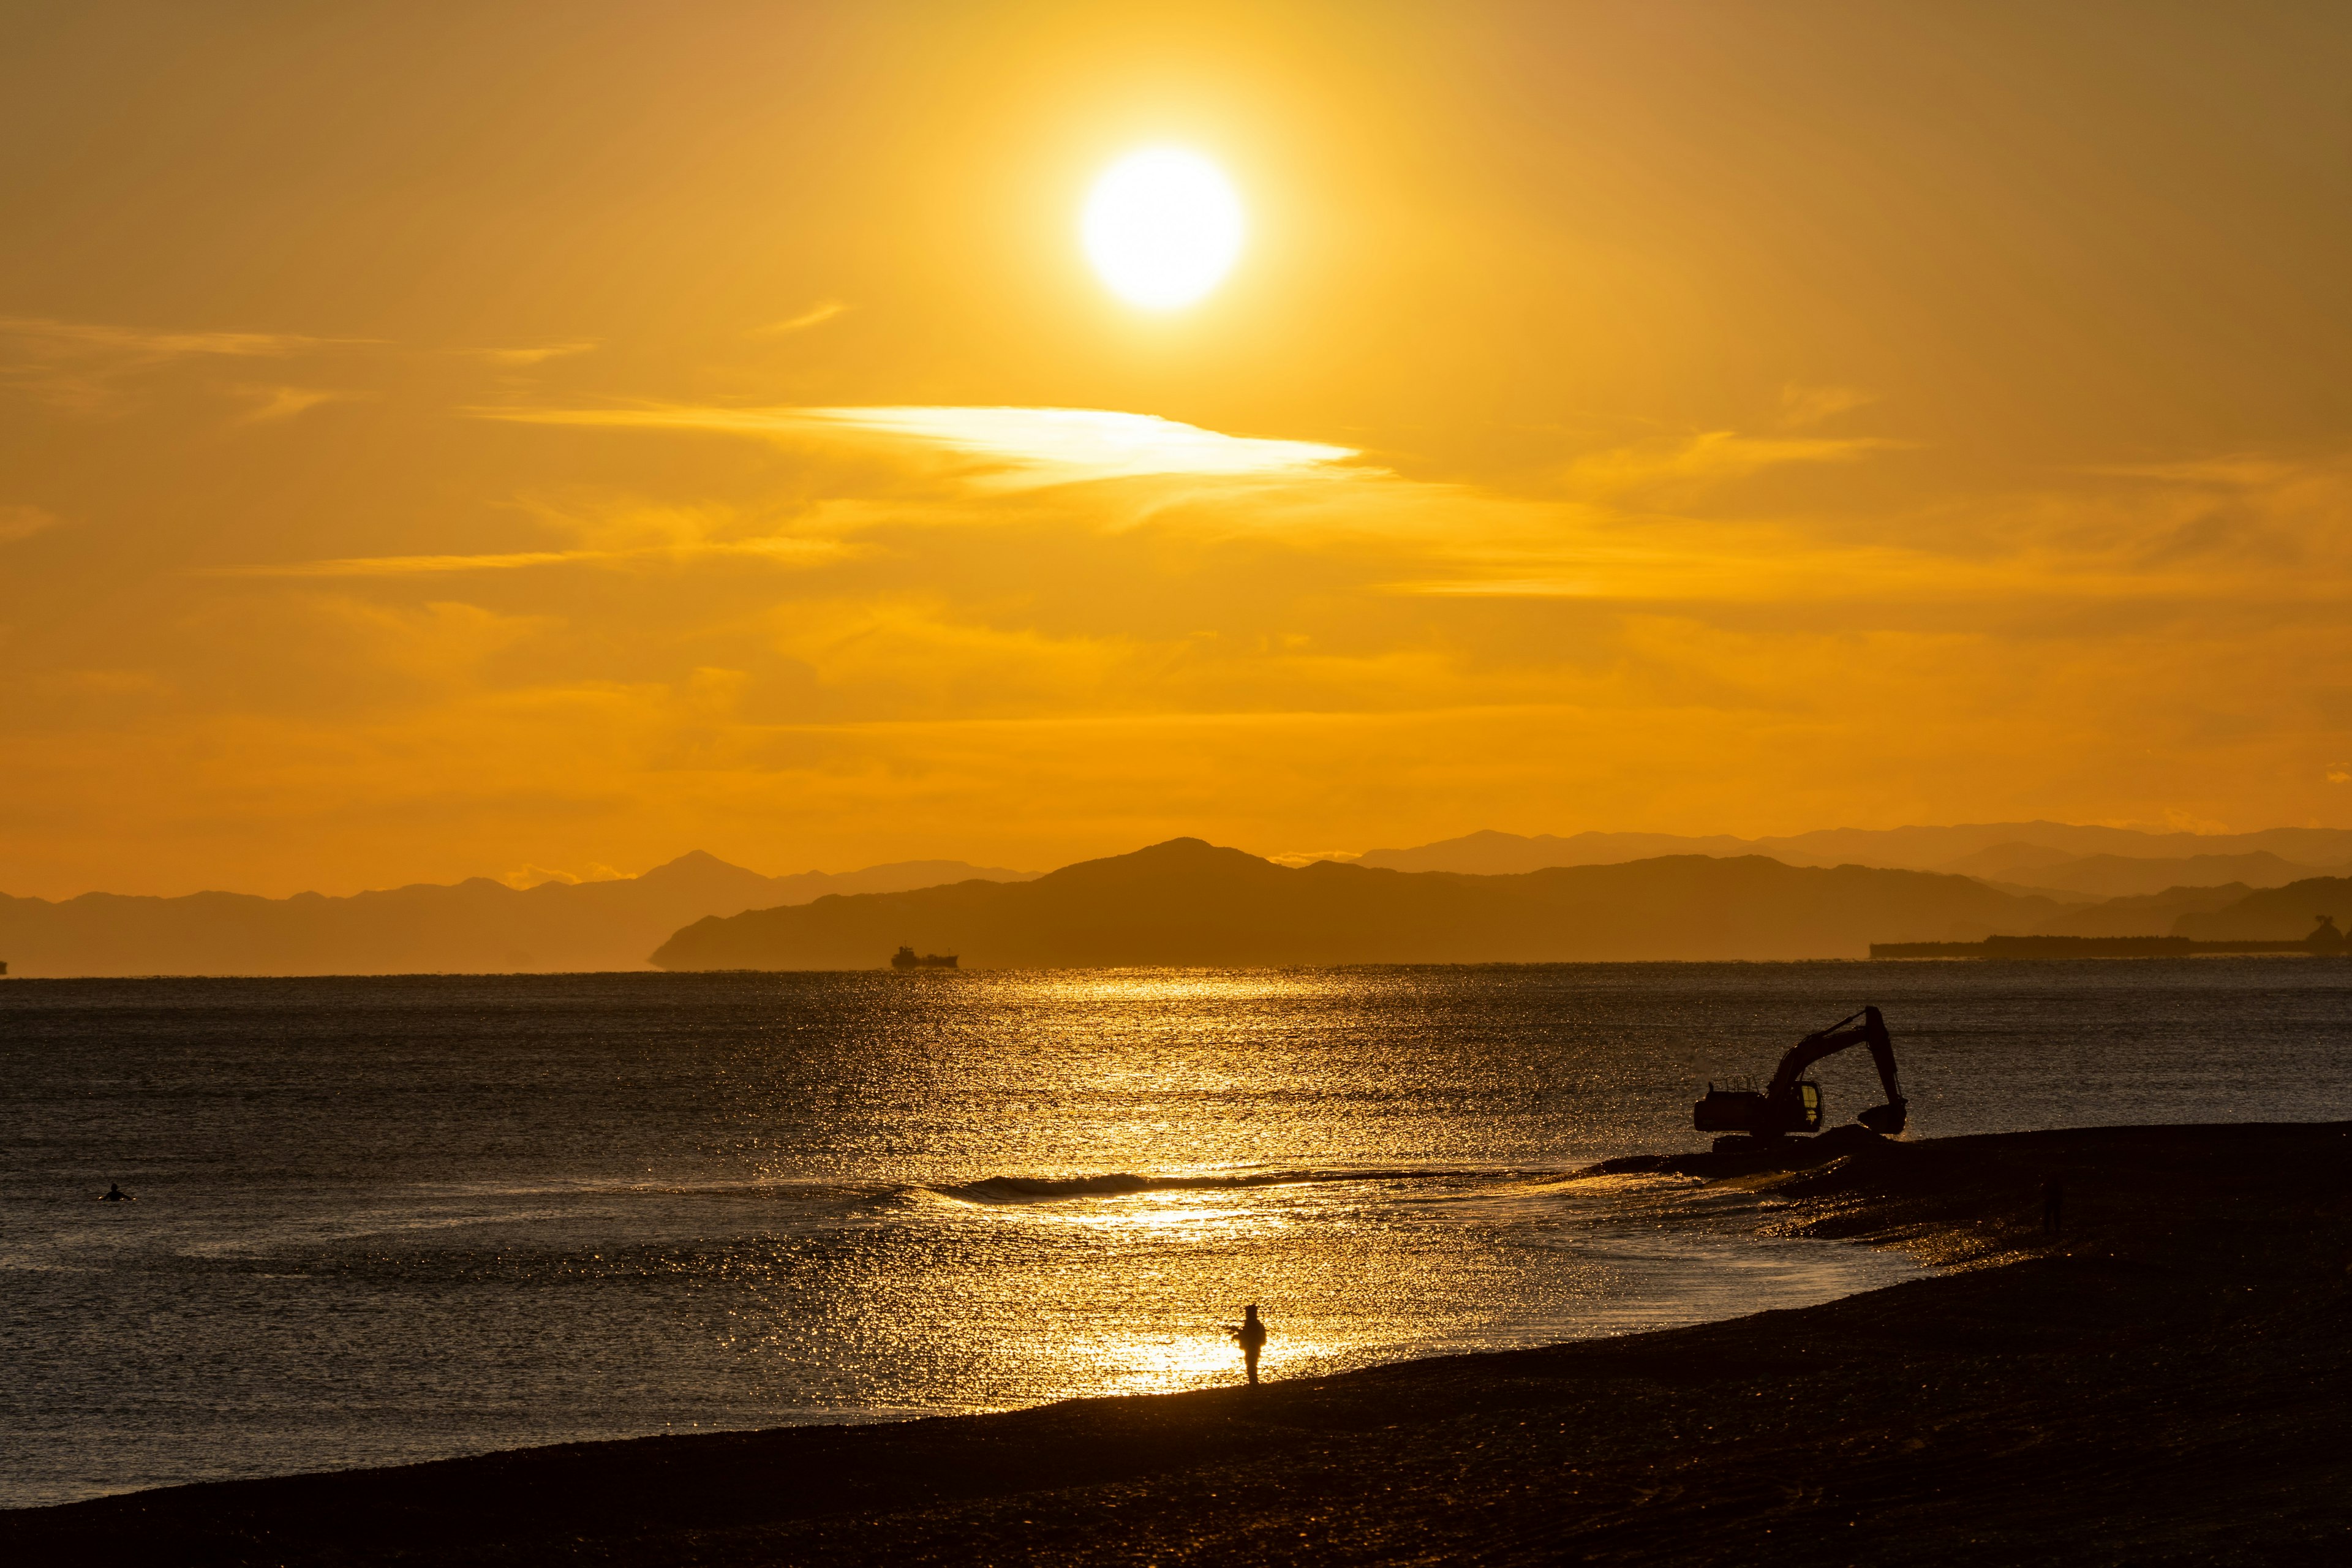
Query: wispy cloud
[[1648, 523], [530, 356], [783, 552], [285, 402], [1688, 561], [1087, 442], [403, 565], [2205, 534], [84, 365], [817, 315], [1801, 405], [1712, 456], [1035, 445], [146, 345], [24, 521]]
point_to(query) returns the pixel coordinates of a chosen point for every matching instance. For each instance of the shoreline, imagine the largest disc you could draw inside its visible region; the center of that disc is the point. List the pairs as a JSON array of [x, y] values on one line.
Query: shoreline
[[2296, 951], [2163, 1382]]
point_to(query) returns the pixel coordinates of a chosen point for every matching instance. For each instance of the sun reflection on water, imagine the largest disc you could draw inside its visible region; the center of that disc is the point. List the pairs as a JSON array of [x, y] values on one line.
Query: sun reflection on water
[[758, 1199], [1162, 1213], [1084, 1176]]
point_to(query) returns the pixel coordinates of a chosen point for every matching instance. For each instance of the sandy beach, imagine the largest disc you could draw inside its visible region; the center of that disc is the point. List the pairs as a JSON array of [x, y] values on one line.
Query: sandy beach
[[2164, 1382]]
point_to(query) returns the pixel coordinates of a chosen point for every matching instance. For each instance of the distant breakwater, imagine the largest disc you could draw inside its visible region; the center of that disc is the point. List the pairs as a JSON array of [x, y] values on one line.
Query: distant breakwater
[[2097, 947]]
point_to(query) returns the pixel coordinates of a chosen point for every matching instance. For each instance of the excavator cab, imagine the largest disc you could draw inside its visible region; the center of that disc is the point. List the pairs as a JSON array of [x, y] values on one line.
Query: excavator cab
[[1758, 1115]]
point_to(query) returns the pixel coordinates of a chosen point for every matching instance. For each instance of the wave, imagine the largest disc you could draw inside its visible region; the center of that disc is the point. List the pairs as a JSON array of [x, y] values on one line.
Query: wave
[[1118, 1184]]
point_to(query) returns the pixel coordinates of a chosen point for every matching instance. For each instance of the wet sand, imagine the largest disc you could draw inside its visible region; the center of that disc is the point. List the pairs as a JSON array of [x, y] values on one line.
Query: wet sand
[[2170, 1381]]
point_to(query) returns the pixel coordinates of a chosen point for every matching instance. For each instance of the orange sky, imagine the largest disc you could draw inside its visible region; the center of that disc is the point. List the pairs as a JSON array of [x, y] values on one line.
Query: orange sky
[[439, 439]]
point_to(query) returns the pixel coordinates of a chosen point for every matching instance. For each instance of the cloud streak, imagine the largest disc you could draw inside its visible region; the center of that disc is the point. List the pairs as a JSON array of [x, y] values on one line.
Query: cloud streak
[[23, 523], [1630, 524], [145, 346], [522, 357], [817, 315], [1712, 456], [1033, 445], [1801, 405], [83, 366], [285, 402], [781, 552]]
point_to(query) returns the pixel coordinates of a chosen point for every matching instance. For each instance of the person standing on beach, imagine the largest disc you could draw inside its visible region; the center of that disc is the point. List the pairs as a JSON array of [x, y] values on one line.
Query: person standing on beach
[[1251, 1337], [2054, 1207]]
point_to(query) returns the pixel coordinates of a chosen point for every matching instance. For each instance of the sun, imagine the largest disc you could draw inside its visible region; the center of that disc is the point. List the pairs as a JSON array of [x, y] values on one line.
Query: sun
[[1162, 227]]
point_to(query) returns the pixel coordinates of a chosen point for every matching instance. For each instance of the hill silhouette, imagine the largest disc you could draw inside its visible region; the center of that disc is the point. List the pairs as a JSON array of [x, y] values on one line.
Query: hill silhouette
[[2150, 914], [1186, 903], [2273, 914], [477, 926]]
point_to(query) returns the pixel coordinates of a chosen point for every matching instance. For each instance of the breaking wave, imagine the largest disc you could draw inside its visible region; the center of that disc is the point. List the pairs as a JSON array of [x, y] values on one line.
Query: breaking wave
[[1118, 1184]]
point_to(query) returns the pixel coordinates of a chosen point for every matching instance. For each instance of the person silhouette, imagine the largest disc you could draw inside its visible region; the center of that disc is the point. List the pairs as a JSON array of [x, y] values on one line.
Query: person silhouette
[[115, 1194], [1251, 1337]]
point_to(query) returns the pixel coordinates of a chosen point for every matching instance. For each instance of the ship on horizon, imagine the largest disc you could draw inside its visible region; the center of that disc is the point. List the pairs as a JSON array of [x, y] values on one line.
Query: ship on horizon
[[905, 958]]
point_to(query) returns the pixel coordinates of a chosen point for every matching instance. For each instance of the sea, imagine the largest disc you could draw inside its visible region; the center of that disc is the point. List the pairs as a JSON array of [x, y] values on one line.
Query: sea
[[381, 1220]]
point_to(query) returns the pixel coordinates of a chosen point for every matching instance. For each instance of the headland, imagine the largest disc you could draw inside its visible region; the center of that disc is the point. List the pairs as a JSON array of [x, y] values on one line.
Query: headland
[[2163, 1381]]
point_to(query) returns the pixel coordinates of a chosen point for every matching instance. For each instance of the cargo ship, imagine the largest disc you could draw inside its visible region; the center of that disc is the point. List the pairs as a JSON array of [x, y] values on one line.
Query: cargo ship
[[907, 958]]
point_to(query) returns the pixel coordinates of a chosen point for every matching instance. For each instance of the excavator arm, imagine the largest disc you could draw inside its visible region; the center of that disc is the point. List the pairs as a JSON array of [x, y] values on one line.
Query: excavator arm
[[1831, 1041], [1791, 1104]]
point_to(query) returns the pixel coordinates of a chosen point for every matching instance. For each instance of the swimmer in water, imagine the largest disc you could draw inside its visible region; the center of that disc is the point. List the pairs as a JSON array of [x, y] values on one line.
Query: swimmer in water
[[1251, 1337], [115, 1194]]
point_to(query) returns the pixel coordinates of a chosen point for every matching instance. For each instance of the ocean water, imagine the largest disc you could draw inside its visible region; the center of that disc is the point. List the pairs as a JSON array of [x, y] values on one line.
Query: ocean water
[[381, 1220]]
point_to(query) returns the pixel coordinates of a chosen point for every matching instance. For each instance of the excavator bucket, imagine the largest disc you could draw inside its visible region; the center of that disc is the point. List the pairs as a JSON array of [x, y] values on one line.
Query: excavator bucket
[[1886, 1119]]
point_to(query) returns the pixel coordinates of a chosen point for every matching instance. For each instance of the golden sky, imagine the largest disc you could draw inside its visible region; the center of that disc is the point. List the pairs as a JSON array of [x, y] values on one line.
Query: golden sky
[[436, 438]]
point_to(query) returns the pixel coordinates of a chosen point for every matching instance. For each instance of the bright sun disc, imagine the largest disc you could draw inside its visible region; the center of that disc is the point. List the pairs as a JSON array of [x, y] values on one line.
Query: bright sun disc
[[1161, 226]]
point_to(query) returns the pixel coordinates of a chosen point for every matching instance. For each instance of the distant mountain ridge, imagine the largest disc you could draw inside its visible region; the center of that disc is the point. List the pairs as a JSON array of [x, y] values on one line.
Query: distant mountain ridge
[[2114, 881], [2012, 878], [1187, 902], [476, 926], [1491, 853]]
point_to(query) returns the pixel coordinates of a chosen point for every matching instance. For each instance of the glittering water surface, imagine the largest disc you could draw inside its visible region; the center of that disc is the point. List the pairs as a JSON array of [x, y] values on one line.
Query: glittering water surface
[[389, 1219]]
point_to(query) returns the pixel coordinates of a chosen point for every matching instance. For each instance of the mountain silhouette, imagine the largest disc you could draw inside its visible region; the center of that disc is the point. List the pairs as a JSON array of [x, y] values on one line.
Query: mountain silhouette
[[476, 926], [2132, 876], [2018, 850], [1187, 902]]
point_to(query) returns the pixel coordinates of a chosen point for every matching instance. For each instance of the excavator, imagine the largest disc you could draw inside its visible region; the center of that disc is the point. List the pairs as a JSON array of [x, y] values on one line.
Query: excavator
[[1792, 1102]]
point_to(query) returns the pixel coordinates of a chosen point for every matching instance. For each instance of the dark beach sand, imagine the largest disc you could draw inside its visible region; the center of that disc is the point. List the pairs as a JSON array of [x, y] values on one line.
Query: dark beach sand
[[2170, 1383]]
